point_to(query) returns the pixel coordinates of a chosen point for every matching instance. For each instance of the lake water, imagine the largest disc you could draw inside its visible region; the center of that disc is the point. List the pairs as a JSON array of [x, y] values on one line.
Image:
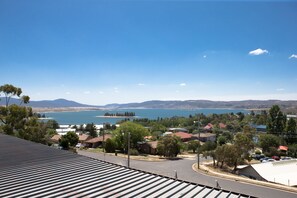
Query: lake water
[[84, 117]]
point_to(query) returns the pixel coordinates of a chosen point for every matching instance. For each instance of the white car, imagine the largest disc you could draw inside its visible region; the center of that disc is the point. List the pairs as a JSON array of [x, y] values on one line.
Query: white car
[[78, 145], [268, 160]]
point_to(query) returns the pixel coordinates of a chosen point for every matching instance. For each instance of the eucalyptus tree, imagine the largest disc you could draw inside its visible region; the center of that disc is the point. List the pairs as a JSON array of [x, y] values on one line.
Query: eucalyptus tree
[[13, 117], [276, 121]]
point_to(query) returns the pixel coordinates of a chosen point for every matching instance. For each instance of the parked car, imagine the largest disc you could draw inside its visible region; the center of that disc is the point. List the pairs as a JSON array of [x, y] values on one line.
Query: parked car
[[286, 158], [264, 159], [258, 156], [78, 145], [275, 157], [268, 160]]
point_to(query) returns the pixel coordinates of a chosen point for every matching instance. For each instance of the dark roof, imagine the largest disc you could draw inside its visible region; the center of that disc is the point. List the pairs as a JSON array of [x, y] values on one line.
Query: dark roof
[[33, 170]]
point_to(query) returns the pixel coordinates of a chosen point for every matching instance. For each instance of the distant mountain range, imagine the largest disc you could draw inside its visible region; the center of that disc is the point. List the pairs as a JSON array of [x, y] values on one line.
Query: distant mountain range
[[195, 104], [58, 103], [290, 105]]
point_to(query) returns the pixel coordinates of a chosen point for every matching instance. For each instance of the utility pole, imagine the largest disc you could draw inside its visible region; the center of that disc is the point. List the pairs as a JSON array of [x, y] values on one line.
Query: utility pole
[[103, 142], [128, 149], [198, 149]]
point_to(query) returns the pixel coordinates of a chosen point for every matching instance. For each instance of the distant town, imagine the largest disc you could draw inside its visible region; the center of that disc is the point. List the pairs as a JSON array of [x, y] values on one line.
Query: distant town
[[260, 145]]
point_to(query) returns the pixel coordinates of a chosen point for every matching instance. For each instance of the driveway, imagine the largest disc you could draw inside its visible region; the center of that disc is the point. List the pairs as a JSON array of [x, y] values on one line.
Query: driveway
[[184, 171]]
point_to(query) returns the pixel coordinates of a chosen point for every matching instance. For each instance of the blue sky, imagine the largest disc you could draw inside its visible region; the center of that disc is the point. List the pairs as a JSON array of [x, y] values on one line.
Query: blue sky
[[112, 51]]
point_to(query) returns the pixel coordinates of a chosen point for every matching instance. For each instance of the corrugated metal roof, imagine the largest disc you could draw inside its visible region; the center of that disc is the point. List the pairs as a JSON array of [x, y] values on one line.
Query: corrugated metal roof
[[34, 170]]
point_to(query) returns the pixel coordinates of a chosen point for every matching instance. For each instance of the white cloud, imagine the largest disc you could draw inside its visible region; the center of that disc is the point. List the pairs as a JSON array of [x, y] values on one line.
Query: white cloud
[[257, 52], [67, 93], [182, 84], [87, 92], [140, 84], [116, 90], [101, 92], [280, 89], [293, 56]]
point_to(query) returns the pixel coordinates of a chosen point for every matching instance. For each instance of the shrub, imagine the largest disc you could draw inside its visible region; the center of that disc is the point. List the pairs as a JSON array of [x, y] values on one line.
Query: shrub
[[134, 152], [258, 152], [110, 146]]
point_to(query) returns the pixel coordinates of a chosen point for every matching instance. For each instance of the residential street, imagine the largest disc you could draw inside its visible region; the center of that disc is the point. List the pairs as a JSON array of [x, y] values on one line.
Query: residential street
[[184, 171]]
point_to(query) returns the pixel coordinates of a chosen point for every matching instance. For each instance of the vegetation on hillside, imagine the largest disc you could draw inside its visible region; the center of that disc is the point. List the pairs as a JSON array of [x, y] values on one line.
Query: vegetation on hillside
[[235, 133]]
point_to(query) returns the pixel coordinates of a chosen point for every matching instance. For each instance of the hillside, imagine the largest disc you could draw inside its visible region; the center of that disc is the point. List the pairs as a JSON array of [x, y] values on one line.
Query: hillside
[[59, 104], [194, 104]]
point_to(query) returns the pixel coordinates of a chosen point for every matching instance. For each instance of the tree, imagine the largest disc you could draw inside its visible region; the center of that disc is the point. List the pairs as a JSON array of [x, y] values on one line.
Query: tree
[[249, 131], [292, 151], [70, 139], [64, 142], [221, 140], [137, 134], [33, 131], [10, 91], [291, 135], [91, 128], [13, 117], [276, 121], [227, 154], [157, 127], [110, 146], [169, 146], [228, 135], [52, 124], [269, 140], [193, 145], [243, 143]]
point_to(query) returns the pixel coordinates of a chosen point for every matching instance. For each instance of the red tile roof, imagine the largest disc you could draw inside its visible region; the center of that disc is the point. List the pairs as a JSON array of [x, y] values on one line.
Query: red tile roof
[[99, 139], [183, 135], [208, 126], [283, 148], [222, 126]]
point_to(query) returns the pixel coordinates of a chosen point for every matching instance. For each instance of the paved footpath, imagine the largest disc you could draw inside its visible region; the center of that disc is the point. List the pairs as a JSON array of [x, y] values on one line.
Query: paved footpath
[[184, 171]]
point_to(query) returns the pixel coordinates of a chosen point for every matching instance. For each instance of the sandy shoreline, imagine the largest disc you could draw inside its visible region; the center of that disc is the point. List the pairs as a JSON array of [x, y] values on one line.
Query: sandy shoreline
[[116, 116], [64, 109]]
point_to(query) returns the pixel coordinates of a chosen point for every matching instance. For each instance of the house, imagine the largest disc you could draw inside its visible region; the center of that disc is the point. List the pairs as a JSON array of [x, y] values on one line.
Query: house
[[148, 147], [222, 126], [259, 128], [83, 138], [283, 149], [64, 131], [205, 137], [177, 130], [55, 139], [167, 133], [147, 138], [282, 172], [97, 141], [183, 136], [208, 127]]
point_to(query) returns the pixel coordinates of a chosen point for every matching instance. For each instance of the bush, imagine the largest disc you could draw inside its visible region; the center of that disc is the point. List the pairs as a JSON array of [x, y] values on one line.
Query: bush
[[134, 152], [258, 152], [64, 142], [110, 146], [169, 146]]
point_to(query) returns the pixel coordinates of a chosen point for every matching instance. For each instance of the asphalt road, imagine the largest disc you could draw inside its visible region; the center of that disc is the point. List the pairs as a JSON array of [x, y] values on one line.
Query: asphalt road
[[184, 171]]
